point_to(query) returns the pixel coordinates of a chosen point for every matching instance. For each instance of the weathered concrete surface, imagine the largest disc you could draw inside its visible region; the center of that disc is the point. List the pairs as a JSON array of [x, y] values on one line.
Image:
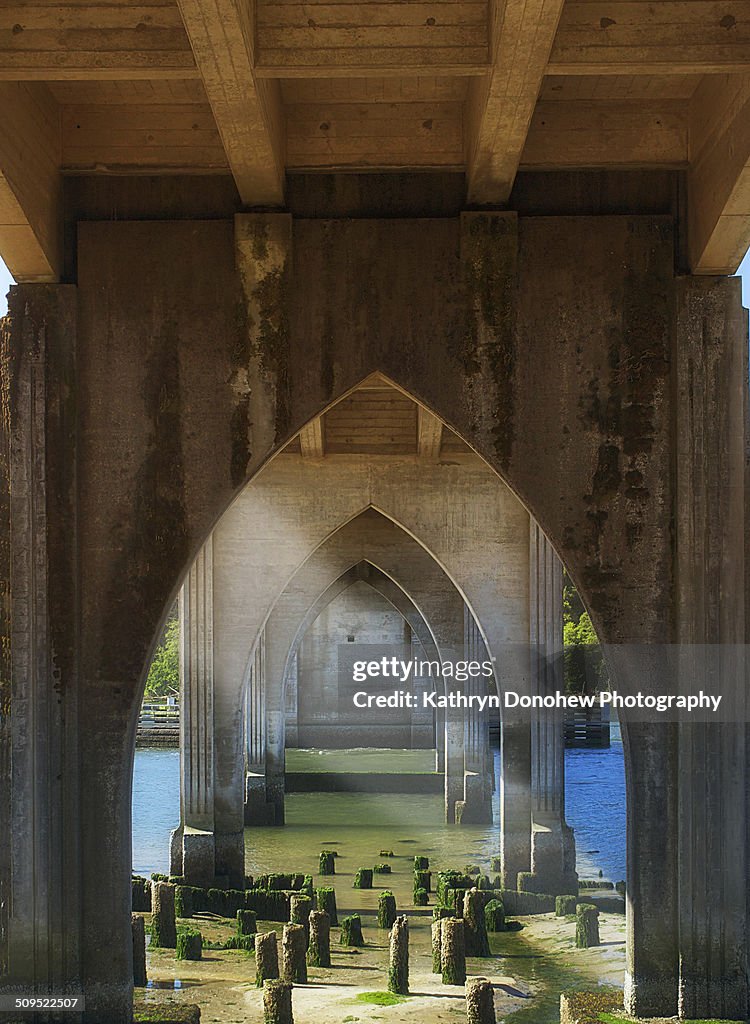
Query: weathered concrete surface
[[361, 612], [483, 547], [375, 593], [398, 556], [39, 693], [711, 375], [571, 398]]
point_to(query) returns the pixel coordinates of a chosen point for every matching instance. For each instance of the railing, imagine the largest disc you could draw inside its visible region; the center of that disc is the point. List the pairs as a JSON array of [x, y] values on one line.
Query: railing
[[587, 727], [159, 713], [158, 724]]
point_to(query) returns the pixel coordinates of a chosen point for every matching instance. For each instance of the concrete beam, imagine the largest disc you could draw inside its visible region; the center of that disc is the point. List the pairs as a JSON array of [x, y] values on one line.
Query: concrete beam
[[30, 183], [500, 105], [718, 200], [311, 439], [247, 111]]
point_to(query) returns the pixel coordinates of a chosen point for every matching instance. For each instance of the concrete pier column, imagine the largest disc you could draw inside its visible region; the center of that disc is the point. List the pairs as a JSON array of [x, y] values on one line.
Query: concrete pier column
[[257, 810], [41, 900], [277, 653], [291, 703], [552, 841], [454, 762], [515, 798], [710, 376], [651, 976], [197, 745], [477, 775], [439, 740]]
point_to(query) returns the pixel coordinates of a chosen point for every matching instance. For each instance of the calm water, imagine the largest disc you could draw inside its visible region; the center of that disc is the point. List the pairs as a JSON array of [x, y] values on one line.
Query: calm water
[[595, 808], [595, 798]]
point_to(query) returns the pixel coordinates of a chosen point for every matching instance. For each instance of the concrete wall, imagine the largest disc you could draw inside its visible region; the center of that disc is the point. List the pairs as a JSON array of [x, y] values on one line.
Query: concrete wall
[[361, 613]]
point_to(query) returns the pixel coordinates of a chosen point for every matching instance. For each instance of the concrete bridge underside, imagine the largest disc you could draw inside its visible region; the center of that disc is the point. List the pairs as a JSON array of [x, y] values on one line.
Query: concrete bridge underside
[[607, 391]]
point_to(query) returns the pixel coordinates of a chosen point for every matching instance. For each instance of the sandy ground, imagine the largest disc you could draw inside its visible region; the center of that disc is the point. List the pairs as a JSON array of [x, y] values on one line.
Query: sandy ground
[[529, 969]]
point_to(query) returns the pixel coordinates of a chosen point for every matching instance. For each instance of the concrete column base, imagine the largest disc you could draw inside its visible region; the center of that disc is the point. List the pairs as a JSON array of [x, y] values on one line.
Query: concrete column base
[[552, 860], [257, 809], [198, 857], [476, 806], [515, 856], [229, 858], [175, 851]]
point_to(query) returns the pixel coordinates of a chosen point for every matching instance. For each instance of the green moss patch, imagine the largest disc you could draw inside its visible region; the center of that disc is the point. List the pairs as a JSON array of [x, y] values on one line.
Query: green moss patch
[[380, 998], [166, 1013]]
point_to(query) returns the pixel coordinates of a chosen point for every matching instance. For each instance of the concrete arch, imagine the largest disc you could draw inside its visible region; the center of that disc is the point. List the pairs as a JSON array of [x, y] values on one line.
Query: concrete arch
[[365, 571], [485, 554], [373, 537], [149, 432], [398, 598]]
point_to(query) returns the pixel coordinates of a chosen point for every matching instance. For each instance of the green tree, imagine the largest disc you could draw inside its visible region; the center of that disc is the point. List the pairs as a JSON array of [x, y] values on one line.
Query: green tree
[[164, 675], [584, 666]]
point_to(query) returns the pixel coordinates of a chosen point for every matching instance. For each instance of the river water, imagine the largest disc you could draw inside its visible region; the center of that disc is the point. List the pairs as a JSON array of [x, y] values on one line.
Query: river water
[[595, 808]]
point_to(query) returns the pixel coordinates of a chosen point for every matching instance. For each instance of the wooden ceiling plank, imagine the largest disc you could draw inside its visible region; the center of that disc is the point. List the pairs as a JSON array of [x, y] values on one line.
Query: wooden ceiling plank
[[69, 41], [248, 112], [500, 106], [610, 37], [597, 134]]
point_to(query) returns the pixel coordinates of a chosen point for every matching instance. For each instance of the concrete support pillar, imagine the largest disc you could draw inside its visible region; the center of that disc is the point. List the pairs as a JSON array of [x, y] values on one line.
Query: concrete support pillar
[[291, 704], [277, 651], [515, 799], [454, 762], [477, 770], [710, 376], [552, 841], [651, 977], [263, 247], [439, 740], [257, 810], [255, 710], [42, 904], [197, 745]]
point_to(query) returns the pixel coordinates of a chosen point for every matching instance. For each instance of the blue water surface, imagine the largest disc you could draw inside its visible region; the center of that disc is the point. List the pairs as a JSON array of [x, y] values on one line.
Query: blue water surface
[[594, 793]]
